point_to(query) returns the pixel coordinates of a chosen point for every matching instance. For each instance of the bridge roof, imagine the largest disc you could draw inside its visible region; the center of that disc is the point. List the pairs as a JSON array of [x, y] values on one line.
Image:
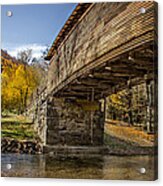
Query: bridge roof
[[72, 20]]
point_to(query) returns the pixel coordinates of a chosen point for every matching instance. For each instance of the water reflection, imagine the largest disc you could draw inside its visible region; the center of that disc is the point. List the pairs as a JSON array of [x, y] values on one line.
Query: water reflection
[[103, 167]]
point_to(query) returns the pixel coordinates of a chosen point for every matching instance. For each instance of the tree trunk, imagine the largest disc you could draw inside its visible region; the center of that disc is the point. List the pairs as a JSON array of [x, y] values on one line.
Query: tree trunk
[[21, 101], [148, 106], [130, 119], [25, 99]]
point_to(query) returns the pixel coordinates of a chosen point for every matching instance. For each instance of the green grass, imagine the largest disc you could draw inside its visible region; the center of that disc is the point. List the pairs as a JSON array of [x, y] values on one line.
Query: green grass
[[17, 127]]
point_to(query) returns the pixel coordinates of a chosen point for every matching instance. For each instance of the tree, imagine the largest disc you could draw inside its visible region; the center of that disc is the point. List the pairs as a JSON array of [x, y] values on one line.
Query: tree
[[19, 80], [25, 56]]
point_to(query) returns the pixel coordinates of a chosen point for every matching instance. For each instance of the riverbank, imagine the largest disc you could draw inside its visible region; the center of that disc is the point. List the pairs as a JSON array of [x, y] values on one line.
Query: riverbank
[[129, 140], [114, 147], [18, 135], [131, 134], [17, 127]]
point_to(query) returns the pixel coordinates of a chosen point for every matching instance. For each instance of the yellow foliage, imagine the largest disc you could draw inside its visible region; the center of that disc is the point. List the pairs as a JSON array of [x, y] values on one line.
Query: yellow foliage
[[18, 83]]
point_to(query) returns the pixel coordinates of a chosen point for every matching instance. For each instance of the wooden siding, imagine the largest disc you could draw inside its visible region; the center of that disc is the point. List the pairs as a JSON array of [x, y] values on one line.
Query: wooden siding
[[106, 31]]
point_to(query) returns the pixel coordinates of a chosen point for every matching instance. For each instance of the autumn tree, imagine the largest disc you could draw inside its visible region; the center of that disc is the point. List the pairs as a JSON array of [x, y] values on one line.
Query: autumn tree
[[121, 105], [19, 80], [9, 97]]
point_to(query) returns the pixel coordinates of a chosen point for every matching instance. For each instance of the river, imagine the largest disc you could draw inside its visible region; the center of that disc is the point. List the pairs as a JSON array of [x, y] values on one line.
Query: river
[[103, 167]]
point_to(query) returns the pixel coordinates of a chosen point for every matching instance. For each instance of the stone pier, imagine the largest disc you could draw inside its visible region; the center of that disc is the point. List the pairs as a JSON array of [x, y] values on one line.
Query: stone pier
[[74, 122]]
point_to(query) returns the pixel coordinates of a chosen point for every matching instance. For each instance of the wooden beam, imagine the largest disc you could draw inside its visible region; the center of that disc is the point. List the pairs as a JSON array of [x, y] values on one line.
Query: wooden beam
[[71, 94], [99, 78], [114, 75], [139, 61], [83, 91], [124, 68], [88, 88], [96, 81], [145, 53], [88, 85]]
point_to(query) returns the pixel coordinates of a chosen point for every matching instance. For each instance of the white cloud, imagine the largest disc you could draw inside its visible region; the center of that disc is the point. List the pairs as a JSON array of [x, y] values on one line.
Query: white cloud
[[37, 49]]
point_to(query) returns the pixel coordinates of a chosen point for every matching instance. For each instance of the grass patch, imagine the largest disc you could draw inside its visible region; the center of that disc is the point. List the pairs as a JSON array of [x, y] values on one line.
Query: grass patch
[[12, 118], [18, 127]]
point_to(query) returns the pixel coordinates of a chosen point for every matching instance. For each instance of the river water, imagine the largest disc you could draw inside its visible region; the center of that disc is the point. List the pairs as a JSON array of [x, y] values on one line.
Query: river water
[[103, 167]]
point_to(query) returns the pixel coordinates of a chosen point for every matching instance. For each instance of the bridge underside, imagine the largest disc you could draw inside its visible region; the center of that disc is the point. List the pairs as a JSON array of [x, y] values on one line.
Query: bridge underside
[[129, 69], [76, 114]]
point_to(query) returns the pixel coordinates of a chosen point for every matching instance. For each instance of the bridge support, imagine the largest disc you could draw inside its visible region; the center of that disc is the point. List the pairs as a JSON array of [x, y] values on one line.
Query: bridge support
[[72, 122]]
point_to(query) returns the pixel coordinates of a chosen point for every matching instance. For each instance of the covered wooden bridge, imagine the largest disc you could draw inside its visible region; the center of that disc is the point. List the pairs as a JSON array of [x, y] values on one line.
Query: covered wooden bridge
[[102, 48]]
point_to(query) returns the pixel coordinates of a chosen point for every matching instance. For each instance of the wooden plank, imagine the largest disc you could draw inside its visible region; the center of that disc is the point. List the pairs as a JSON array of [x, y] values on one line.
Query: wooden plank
[[123, 34], [92, 45]]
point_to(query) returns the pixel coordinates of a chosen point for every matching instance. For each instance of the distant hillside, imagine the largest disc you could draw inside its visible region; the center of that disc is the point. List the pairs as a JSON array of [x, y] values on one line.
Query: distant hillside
[[7, 60]]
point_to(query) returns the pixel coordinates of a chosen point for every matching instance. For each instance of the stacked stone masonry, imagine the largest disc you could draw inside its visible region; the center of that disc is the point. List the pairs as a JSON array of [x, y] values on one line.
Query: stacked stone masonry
[[69, 124], [60, 121]]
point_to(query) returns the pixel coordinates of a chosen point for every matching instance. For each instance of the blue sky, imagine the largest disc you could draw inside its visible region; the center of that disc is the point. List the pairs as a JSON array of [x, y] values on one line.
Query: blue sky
[[32, 26]]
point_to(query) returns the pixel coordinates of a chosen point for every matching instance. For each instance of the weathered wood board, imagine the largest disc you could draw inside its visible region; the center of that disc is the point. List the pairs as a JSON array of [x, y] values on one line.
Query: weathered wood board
[[99, 36]]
